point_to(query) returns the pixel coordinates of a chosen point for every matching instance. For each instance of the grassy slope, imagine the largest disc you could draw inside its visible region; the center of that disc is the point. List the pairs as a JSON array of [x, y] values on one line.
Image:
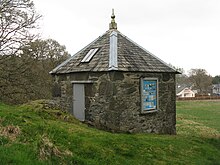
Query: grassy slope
[[31, 134]]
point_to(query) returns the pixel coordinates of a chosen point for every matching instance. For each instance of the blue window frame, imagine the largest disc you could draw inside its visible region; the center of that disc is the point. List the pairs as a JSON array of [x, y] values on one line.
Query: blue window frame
[[149, 95]]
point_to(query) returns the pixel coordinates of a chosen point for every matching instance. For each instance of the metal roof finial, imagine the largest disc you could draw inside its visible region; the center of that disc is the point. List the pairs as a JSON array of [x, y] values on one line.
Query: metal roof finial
[[113, 15], [113, 24]]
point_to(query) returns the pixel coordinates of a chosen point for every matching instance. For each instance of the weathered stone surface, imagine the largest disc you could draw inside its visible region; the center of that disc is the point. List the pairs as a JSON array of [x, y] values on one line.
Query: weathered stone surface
[[113, 101]]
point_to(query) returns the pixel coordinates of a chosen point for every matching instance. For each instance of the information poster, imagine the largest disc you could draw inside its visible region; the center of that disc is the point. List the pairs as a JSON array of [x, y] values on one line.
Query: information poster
[[149, 95]]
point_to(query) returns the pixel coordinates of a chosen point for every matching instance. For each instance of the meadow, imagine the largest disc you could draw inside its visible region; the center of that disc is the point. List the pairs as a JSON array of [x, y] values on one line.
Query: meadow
[[34, 134]]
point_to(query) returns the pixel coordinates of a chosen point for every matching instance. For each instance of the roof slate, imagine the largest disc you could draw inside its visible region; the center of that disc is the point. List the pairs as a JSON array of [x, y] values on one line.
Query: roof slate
[[130, 56]]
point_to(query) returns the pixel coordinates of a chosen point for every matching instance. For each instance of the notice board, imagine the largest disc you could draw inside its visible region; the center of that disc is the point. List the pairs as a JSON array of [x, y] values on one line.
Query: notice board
[[149, 90]]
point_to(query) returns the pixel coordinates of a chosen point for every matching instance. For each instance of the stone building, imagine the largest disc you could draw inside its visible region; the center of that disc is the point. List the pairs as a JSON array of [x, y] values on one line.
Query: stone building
[[116, 85]]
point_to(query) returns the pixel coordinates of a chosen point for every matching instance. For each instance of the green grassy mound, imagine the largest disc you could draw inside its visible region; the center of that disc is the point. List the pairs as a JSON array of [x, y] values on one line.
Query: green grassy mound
[[35, 134]]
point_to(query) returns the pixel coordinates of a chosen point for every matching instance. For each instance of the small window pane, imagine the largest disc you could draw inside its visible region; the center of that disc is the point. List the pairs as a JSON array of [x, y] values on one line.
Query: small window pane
[[89, 55]]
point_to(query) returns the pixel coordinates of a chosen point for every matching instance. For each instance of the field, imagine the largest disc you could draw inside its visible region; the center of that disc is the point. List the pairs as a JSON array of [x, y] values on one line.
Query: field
[[33, 134]]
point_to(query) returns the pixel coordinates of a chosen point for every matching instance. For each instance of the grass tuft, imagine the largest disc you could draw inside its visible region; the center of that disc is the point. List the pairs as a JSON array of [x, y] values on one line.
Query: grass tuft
[[48, 149]]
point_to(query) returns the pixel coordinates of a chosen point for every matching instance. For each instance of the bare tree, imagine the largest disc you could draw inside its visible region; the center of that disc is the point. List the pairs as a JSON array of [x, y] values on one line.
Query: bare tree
[[201, 80], [17, 19]]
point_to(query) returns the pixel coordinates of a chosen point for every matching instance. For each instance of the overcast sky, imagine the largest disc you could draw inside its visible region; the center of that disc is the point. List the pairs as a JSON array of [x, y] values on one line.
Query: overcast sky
[[184, 33]]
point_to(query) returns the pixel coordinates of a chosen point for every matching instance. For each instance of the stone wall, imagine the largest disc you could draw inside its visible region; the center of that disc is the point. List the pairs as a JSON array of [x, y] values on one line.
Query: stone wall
[[113, 101]]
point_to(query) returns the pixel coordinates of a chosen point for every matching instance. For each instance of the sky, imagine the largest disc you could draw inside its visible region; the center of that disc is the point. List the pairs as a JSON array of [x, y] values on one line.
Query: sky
[[184, 33]]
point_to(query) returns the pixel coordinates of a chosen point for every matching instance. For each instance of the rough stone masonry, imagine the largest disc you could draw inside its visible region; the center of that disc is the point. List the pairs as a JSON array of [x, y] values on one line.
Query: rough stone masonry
[[113, 101]]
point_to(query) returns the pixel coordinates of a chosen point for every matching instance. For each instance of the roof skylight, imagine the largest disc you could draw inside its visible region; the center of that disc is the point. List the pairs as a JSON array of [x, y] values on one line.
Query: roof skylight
[[90, 54]]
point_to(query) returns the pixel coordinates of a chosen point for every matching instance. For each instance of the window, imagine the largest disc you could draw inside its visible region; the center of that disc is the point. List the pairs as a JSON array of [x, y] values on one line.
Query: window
[[89, 55], [149, 95]]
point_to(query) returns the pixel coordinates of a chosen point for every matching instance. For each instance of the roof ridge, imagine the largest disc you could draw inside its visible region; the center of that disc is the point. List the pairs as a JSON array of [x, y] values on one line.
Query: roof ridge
[[113, 53]]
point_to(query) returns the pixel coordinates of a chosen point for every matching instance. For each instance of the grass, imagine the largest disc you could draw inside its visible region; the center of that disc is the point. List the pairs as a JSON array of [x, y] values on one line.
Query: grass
[[32, 134], [205, 113]]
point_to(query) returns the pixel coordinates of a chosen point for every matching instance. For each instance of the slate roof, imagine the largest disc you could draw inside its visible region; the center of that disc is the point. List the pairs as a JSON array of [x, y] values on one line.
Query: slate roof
[[127, 56]]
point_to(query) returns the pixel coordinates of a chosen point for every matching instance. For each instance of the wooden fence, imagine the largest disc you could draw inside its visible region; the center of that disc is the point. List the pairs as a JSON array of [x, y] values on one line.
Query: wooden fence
[[199, 98]]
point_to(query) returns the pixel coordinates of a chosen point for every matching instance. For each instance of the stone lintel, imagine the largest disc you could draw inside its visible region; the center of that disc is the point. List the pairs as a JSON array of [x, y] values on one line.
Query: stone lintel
[[82, 82]]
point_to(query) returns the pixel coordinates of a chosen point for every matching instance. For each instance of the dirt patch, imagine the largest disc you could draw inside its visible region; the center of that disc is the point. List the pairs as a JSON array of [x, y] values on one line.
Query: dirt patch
[[10, 131]]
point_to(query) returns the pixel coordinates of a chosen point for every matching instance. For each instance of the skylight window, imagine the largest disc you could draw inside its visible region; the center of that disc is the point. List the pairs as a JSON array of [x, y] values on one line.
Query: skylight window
[[89, 55]]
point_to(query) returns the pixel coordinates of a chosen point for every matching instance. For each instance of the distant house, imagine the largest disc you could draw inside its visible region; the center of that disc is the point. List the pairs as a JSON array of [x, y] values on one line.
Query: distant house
[[115, 84], [216, 89], [185, 91]]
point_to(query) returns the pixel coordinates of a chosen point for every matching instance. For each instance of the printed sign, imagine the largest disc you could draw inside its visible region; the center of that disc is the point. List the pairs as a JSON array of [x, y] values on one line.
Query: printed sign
[[149, 95]]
